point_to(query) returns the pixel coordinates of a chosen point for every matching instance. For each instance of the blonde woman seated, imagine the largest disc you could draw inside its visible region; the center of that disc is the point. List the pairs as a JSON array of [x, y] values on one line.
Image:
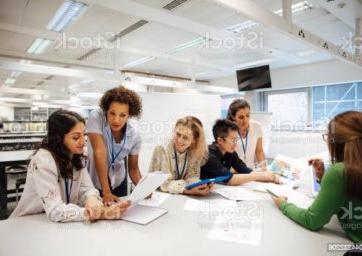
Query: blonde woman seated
[[182, 158]]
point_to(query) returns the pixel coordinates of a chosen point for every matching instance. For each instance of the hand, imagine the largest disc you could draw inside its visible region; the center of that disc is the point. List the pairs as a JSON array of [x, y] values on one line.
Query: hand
[[93, 213], [266, 176], [109, 199], [279, 200], [202, 190], [115, 211], [318, 167]]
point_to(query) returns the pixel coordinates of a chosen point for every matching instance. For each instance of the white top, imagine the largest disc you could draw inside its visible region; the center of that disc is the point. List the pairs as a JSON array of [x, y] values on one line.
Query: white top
[[130, 145], [255, 132], [45, 191]]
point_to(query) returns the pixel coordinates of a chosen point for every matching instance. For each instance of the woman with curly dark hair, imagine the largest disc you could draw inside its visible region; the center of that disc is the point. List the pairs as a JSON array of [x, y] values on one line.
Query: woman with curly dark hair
[[113, 139], [58, 182]]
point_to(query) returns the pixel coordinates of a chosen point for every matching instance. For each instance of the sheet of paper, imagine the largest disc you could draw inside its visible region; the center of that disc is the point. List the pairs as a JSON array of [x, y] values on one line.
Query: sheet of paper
[[295, 197], [236, 193], [143, 214], [156, 200], [147, 185], [240, 229], [208, 205]]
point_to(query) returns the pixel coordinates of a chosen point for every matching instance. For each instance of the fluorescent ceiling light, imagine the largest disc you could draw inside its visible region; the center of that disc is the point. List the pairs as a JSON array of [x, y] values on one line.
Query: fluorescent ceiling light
[[10, 81], [178, 48], [92, 95], [68, 12], [187, 45], [39, 46], [15, 74], [138, 62], [296, 8], [242, 26]]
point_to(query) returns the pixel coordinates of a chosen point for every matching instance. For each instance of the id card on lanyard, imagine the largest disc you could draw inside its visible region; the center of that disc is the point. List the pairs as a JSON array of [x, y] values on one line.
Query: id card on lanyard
[[178, 174], [114, 154], [244, 145], [68, 189]]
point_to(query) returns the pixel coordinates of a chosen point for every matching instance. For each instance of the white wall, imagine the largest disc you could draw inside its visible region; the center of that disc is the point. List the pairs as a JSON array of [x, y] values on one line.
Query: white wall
[[160, 112], [320, 73], [6, 113]]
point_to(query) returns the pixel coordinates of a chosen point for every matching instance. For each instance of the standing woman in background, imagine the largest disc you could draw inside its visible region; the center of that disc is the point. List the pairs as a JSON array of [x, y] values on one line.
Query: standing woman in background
[[113, 139], [182, 158], [250, 146]]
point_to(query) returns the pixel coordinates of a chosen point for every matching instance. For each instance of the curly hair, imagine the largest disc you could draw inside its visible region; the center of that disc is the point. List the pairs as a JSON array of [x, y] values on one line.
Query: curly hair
[[58, 125], [125, 96]]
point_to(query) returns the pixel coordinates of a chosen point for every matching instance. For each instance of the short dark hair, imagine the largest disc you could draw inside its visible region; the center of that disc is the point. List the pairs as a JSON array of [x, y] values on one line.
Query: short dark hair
[[125, 96], [235, 106], [222, 127]]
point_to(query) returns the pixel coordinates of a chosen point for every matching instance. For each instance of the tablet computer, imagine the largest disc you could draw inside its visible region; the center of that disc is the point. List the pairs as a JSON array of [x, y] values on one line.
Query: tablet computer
[[207, 181]]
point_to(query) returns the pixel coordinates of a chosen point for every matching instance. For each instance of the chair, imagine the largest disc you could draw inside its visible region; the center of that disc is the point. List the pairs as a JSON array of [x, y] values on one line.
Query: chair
[[18, 172]]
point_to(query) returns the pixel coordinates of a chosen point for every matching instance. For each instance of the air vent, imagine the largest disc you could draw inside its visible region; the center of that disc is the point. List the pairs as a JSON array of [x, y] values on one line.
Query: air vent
[[129, 29], [174, 4]]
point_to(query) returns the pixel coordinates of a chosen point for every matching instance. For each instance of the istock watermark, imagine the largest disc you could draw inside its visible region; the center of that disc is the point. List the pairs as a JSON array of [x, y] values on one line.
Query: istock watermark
[[104, 41], [248, 40]]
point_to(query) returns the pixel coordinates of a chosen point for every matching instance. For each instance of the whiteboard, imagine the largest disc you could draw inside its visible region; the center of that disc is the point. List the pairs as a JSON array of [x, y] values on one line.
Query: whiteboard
[[160, 112]]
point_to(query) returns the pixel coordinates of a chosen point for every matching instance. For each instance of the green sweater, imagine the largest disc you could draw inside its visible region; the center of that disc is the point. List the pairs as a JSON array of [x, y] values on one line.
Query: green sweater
[[331, 200]]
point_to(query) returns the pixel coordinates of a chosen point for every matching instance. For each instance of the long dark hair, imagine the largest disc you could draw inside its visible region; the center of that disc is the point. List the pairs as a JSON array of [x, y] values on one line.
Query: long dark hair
[[235, 106], [345, 145], [59, 124]]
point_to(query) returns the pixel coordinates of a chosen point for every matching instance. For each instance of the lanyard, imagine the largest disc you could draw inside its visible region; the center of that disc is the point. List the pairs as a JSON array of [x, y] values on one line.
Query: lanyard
[[68, 191], [183, 168], [115, 155], [244, 146]]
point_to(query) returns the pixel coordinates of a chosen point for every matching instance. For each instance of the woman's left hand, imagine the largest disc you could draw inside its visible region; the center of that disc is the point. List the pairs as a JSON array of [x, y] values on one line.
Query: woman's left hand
[[279, 200]]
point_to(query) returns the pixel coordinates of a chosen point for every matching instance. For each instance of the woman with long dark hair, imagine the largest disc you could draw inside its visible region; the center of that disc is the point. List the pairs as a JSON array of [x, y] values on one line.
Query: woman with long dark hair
[[58, 182], [341, 185]]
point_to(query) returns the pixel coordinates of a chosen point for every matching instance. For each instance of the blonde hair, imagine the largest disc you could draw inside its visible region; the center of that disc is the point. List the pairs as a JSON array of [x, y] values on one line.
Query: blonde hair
[[198, 149]]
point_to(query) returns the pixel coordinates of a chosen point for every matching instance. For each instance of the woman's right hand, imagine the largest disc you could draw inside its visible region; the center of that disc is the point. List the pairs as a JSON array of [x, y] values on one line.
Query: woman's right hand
[[202, 190], [109, 199], [115, 211], [318, 167]]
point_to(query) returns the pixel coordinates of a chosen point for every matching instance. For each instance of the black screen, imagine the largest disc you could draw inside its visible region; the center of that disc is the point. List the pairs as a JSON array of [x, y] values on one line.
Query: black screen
[[254, 78]]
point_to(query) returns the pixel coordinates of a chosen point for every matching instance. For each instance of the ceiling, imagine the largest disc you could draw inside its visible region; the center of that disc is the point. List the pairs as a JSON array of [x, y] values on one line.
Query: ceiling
[[152, 47]]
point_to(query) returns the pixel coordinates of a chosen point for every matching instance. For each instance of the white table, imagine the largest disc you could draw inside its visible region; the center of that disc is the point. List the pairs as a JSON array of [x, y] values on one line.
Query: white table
[[8, 158], [176, 234]]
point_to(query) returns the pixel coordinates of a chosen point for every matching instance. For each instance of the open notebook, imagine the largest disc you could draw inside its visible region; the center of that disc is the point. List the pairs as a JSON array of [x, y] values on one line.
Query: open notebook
[[144, 214]]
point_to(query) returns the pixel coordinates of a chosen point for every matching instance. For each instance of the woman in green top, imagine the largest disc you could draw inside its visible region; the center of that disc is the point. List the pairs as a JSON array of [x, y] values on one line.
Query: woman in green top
[[341, 185]]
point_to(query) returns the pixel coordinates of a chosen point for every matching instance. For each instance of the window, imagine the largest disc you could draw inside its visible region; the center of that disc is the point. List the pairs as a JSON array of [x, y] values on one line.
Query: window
[[289, 107], [330, 100]]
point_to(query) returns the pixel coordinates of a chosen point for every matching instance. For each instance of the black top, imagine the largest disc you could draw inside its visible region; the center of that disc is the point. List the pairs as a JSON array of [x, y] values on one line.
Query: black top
[[219, 164]]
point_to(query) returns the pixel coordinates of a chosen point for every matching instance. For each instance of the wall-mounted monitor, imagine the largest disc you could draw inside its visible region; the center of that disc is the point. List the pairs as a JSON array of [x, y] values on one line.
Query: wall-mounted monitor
[[254, 78]]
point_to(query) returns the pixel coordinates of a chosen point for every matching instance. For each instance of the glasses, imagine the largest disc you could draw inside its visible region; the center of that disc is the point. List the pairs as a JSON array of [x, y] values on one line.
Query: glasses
[[231, 141], [326, 138]]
